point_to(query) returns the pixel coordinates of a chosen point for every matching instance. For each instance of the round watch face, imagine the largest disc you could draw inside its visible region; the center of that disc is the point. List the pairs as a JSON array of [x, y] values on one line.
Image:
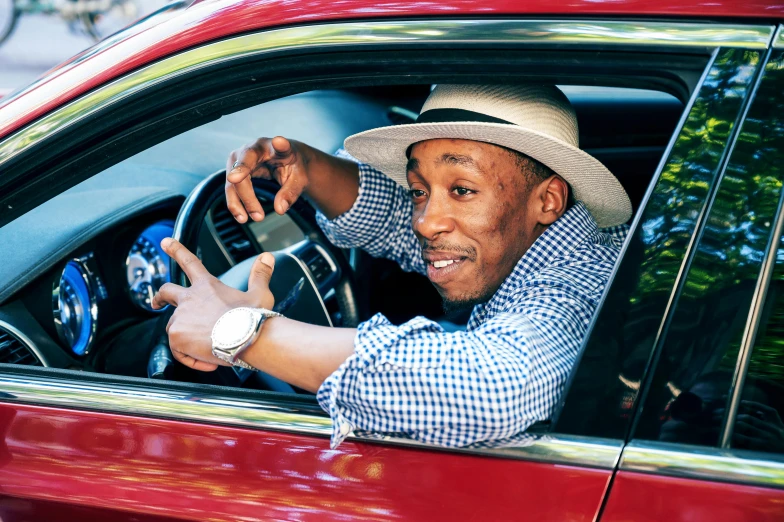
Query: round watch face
[[234, 328]]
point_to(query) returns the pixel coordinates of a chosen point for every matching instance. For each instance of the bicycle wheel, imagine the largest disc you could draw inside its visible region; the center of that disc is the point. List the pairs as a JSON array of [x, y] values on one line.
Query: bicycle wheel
[[8, 17], [120, 14]]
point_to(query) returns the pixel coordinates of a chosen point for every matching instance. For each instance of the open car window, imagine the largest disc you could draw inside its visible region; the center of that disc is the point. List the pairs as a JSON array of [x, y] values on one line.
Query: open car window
[[625, 128], [629, 128]]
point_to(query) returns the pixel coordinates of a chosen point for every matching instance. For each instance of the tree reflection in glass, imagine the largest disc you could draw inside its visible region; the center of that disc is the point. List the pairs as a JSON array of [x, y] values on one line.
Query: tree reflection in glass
[[629, 323]]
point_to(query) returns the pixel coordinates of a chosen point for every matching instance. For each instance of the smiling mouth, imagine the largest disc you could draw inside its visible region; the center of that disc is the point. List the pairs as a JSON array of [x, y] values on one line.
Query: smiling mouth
[[441, 270], [442, 264]]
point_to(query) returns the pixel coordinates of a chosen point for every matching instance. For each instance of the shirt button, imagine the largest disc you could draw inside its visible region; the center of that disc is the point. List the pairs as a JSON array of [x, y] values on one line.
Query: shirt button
[[345, 427]]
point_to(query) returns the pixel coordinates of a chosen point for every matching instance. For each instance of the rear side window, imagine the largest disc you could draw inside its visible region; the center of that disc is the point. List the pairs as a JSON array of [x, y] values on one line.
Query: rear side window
[[704, 350], [759, 401]]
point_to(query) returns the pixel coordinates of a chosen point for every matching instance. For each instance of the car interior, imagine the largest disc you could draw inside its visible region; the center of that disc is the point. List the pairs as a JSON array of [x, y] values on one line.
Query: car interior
[[76, 292]]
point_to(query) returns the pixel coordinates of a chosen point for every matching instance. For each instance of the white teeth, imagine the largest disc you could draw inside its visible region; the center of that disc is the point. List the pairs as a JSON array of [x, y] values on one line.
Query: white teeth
[[442, 264]]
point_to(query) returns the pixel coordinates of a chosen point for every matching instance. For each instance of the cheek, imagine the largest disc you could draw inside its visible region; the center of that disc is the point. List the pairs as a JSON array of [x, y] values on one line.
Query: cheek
[[495, 228]]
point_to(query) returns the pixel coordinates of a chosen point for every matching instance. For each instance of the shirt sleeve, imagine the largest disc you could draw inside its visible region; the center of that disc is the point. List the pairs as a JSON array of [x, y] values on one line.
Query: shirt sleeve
[[460, 388], [379, 222]]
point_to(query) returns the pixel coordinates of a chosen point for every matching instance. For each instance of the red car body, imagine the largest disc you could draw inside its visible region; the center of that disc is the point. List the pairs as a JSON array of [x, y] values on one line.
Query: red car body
[[66, 463]]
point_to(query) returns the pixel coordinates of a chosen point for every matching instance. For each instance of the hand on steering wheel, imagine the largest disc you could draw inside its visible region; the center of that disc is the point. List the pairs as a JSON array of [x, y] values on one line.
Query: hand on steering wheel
[[277, 158], [201, 305]]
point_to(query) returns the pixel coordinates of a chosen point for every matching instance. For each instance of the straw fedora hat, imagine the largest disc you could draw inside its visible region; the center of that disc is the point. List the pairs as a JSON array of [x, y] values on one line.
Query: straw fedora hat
[[537, 120]]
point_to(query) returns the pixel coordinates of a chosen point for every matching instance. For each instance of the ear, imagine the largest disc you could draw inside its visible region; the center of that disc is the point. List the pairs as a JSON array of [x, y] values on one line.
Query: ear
[[553, 195]]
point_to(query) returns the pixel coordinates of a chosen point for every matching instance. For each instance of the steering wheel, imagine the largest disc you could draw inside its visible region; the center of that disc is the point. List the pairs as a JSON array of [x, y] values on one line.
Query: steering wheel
[[305, 274]]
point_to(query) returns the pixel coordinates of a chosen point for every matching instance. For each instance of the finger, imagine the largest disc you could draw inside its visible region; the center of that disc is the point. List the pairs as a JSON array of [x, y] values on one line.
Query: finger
[[230, 161], [281, 149], [245, 161], [261, 273], [168, 294], [261, 171], [191, 362], [756, 424], [292, 185], [189, 263], [249, 200], [234, 204], [764, 408]]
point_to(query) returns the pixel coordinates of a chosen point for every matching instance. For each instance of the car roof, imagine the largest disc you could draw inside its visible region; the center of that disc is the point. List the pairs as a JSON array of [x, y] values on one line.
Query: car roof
[[182, 25]]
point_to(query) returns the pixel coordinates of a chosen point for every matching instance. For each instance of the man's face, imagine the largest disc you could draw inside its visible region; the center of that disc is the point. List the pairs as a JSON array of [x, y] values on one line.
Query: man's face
[[471, 216]]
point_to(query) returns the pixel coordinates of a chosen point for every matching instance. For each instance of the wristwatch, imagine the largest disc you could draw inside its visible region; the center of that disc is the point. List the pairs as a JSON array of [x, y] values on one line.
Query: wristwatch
[[235, 331]]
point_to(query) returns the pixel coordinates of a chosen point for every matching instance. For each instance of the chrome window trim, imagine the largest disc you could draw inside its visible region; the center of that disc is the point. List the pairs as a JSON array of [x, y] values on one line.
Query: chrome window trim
[[273, 415], [696, 462], [625, 34], [25, 340], [778, 38]]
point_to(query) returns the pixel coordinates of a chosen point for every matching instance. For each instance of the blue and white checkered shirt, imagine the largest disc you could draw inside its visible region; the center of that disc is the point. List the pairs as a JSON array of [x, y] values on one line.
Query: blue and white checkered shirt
[[484, 386]]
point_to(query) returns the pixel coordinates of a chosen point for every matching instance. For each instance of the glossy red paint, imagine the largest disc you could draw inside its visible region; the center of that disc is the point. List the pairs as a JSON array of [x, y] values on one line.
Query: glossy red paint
[[214, 19], [69, 465], [652, 498]]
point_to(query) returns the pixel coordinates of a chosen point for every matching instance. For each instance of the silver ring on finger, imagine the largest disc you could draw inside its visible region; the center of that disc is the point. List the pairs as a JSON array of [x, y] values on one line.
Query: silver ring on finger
[[236, 164]]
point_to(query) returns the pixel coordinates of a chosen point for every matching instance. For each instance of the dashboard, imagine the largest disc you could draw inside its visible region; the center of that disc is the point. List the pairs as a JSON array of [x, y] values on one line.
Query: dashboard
[[99, 289], [90, 300], [79, 293]]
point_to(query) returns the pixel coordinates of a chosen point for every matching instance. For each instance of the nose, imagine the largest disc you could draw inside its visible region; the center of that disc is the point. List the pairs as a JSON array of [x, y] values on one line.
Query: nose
[[434, 218]]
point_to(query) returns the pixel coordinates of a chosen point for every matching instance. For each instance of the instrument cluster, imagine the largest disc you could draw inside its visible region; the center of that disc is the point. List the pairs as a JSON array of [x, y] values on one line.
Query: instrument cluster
[[147, 265], [79, 292], [75, 304]]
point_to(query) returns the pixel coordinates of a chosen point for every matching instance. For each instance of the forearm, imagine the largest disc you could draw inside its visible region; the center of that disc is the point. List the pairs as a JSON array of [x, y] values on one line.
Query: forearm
[[333, 183], [299, 353], [379, 222]]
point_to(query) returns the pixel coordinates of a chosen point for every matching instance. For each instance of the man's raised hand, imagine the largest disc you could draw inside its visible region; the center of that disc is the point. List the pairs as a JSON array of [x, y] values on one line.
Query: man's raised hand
[[201, 305], [269, 158]]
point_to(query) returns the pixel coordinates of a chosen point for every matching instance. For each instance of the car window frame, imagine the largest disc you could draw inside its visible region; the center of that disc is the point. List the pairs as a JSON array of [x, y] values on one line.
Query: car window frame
[[111, 393]]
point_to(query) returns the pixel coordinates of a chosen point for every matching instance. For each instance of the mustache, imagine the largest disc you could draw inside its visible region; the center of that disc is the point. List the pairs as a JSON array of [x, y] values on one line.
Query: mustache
[[448, 248]]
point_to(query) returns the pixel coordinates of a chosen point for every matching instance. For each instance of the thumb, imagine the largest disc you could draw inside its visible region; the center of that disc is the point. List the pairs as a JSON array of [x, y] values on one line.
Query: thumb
[[261, 273], [281, 148]]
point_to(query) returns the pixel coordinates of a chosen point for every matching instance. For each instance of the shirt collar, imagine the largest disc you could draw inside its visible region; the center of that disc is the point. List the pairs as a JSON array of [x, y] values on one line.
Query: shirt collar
[[560, 238]]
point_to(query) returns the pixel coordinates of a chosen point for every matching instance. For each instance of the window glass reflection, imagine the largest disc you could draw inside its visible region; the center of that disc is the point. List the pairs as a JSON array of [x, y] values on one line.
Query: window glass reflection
[[628, 324], [688, 397], [759, 425]]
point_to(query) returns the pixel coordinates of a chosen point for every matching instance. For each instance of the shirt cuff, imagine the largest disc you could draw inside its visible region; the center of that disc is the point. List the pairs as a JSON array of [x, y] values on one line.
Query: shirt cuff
[[360, 225], [342, 394], [328, 392]]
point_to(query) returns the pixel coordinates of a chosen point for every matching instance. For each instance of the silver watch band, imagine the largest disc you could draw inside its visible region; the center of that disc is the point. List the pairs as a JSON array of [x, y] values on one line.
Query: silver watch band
[[233, 355], [243, 364], [264, 315]]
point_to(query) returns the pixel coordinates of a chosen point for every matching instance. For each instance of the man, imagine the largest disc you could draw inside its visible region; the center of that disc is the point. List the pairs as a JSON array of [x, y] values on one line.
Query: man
[[478, 196]]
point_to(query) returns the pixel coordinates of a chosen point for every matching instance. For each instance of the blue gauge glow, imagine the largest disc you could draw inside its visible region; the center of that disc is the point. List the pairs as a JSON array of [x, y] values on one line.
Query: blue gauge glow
[[76, 318], [147, 265]]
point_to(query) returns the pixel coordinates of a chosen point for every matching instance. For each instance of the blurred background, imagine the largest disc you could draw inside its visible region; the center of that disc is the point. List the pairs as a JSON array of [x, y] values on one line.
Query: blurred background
[[36, 35]]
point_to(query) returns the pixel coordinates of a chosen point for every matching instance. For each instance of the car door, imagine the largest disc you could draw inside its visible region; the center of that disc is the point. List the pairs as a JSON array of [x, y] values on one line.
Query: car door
[[88, 446], [708, 441]]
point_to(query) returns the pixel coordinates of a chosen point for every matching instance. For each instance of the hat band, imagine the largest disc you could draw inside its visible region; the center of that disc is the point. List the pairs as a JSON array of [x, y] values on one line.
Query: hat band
[[453, 115]]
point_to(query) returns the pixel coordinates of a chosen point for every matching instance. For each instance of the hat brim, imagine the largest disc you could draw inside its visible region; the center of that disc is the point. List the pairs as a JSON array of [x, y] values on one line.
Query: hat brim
[[592, 183]]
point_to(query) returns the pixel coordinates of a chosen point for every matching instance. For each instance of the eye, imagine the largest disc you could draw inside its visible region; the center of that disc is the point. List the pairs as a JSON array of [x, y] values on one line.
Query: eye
[[462, 191], [416, 193]]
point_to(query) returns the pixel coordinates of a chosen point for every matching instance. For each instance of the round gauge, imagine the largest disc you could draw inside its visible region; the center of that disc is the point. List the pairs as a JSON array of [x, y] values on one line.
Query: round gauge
[[147, 266], [75, 310]]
